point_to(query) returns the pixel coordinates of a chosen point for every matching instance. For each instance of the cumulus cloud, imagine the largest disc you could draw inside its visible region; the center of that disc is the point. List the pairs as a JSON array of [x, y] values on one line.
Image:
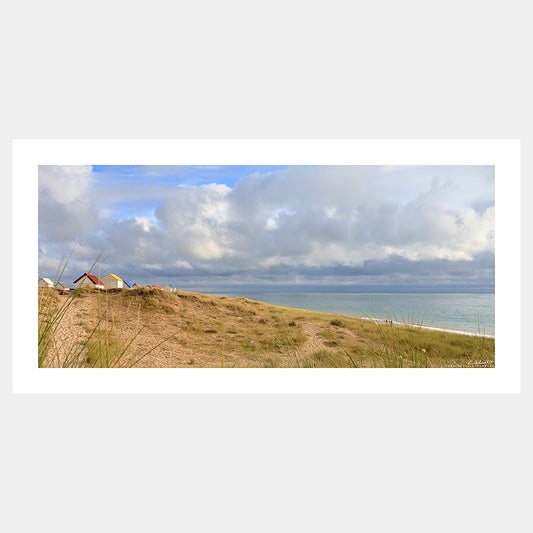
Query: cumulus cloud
[[194, 220], [299, 224]]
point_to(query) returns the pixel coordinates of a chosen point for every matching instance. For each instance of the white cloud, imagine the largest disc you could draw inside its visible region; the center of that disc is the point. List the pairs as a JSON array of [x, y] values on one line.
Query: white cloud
[[193, 220], [145, 223]]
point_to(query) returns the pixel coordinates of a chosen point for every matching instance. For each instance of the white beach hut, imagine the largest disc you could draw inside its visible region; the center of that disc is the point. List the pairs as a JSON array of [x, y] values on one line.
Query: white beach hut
[[62, 286], [111, 281], [46, 282], [170, 287]]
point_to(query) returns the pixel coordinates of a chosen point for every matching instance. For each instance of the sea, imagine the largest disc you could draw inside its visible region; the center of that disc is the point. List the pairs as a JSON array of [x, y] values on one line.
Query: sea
[[461, 312]]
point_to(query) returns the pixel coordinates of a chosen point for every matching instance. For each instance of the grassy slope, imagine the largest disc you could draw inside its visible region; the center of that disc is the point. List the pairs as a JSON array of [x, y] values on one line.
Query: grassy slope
[[122, 327]]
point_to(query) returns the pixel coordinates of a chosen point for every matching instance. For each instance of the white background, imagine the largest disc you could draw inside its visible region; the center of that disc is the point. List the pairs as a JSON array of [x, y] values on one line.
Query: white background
[[504, 155], [163, 70]]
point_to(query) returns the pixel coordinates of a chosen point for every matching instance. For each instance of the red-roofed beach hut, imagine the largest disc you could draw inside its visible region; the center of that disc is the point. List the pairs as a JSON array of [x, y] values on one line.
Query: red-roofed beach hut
[[89, 280]]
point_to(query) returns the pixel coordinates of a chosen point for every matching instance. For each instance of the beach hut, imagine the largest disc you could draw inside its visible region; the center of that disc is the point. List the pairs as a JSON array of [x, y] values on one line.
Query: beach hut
[[170, 288], [127, 284], [62, 286], [46, 282], [89, 280], [111, 281], [157, 287], [137, 286]]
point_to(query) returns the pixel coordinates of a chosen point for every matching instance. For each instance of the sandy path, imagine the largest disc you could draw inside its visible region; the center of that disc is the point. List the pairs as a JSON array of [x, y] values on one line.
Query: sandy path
[[314, 342]]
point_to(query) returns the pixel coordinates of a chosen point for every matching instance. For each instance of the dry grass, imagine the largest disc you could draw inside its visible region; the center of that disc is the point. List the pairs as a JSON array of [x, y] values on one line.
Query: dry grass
[[153, 328]]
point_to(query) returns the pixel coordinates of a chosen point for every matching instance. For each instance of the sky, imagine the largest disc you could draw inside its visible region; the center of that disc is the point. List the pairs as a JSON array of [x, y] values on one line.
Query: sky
[[273, 228]]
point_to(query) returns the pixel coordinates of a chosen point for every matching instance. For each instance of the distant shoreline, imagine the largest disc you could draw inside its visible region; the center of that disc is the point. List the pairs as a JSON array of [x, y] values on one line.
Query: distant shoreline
[[258, 291], [433, 328]]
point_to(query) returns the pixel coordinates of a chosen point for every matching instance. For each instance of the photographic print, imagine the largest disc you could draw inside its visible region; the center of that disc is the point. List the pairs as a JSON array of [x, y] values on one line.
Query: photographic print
[[288, 266], [266, 266]]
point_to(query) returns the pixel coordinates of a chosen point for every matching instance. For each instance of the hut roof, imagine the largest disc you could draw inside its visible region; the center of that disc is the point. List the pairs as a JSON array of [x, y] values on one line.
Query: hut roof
[[47, 280], [127, 283], [156, 287], [95, 279], [113, 276]]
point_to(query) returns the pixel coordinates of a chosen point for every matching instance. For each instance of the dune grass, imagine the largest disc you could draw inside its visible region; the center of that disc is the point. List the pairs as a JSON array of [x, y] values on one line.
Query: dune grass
[[400, 346], [150, 327], [213, 331]]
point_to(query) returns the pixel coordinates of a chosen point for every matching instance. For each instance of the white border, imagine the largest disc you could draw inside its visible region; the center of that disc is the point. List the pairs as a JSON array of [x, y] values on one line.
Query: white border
[[505, 155]]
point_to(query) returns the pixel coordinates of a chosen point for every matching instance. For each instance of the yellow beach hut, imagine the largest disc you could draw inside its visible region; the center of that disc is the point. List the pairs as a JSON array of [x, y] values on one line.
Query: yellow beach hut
[[111, 281]]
